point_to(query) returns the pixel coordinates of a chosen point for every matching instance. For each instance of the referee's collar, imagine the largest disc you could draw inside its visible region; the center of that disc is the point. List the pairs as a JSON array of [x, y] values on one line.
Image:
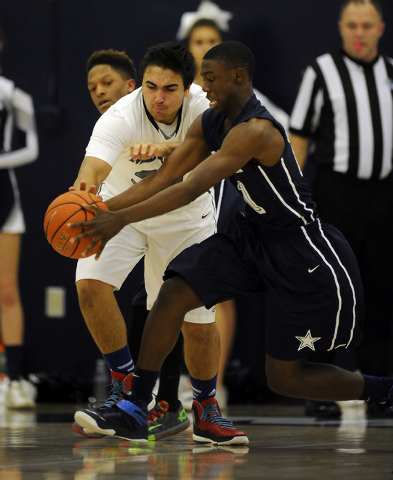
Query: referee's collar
[[361, 62]]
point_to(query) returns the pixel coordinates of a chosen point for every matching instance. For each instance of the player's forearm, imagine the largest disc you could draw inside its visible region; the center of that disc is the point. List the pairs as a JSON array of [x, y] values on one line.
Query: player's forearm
[[140, 192], [93, 172], [163, 202]]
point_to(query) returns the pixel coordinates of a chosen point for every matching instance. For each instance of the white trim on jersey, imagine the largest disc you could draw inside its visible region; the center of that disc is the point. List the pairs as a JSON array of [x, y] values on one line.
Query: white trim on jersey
[[281, 199], [126, 123], [20, 114]]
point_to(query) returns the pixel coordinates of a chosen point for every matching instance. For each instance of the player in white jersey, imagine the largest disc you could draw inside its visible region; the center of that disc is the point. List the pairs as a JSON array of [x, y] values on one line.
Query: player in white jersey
[[125, 124], [161, 111]]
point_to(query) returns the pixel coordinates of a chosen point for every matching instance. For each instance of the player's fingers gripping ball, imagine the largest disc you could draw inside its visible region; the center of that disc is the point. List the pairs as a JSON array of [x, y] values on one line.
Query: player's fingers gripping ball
[[67, 208]]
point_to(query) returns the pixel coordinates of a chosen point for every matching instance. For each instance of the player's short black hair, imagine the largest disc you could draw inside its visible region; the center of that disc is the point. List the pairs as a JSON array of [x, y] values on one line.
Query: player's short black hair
[[119, 61], [376, 4], [173, 56], [234, 54], [203, 22]]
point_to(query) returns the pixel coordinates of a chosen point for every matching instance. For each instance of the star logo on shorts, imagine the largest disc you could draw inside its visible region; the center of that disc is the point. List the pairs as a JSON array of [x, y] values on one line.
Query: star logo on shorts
[[307, 341]]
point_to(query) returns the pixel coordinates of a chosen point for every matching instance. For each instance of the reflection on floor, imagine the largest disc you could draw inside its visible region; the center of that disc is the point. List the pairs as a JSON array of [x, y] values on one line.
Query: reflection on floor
[[283, 444]]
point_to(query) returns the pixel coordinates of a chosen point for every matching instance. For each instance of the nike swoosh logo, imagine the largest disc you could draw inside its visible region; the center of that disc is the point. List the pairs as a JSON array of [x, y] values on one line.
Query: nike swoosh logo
[[310, 270], [154, 426], [204, 216]]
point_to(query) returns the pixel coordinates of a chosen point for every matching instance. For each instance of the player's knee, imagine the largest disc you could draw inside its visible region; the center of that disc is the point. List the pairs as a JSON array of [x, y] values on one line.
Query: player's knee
[[201, 333], [282, 377], [277, 384], [88, 292], [176, 291], [9, 295]]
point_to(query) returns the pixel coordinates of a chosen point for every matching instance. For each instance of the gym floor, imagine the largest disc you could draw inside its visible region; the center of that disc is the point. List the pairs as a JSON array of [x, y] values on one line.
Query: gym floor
[[284, 443]]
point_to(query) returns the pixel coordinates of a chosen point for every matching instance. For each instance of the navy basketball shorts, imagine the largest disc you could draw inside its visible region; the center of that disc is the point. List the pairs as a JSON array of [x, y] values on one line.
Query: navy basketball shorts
[[314, 295]]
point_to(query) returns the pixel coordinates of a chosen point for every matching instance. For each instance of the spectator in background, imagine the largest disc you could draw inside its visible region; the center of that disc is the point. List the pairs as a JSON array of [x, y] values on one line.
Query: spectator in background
[[344, 111], [18, 146], [200, 31]]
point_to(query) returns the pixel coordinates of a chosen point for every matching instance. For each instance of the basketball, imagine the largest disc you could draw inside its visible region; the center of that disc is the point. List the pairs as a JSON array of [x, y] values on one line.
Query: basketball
[[67, 208]]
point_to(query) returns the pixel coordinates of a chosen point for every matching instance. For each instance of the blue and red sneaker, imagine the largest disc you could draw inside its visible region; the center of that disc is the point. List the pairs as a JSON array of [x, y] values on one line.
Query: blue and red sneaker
[[211, 427]]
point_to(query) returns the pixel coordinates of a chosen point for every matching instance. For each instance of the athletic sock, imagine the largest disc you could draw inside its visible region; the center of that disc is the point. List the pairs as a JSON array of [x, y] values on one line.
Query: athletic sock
[[376, 389], [139, 315], [203, 389], [170, 376], [14, 356], [169, 386], [143, 383], [120, 361]]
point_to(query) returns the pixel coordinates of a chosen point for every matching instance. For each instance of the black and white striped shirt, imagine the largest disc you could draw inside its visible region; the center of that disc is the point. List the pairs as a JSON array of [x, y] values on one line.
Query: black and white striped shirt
[[346, 107]]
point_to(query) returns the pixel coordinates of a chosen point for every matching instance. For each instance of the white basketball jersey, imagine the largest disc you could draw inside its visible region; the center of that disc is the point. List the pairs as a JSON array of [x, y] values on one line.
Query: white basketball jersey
[[126, 123]]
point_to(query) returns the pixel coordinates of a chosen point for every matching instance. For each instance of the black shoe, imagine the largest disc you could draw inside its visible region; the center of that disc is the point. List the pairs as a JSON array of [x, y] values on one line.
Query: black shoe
[[126, 419]]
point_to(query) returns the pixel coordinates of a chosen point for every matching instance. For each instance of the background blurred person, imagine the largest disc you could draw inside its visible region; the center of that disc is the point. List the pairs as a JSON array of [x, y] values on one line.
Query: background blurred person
[[18, 146]]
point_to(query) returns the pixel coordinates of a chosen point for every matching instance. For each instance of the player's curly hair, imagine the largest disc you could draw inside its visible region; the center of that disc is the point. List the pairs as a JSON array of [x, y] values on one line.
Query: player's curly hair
[[173, 56], [119, 61], [233, 54]]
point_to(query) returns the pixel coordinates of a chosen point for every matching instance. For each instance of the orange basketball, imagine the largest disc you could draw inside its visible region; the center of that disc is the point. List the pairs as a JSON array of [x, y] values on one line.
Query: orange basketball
[[67, 208]]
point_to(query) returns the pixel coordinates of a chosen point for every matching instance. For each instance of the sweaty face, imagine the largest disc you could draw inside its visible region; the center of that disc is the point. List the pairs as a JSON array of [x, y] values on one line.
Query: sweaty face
[[218, 82], [202, 39], [361, 28], [107, 86], [163, 92]]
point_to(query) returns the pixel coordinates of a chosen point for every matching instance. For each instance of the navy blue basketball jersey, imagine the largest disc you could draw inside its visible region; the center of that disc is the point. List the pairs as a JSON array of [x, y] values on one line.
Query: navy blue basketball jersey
[[277, 197]]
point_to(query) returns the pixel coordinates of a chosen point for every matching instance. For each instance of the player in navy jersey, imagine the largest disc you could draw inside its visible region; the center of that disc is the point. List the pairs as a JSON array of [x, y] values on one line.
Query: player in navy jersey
[[313, 290]]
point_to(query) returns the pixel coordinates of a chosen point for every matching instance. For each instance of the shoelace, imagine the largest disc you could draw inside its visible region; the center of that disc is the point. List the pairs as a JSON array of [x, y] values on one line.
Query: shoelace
[[211, 414], [158, 411], [117, 391]]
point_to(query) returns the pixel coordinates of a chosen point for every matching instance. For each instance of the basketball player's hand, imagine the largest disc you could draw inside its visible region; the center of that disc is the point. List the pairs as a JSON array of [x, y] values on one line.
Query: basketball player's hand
[[82, 187], [102, 228], [144, 151]]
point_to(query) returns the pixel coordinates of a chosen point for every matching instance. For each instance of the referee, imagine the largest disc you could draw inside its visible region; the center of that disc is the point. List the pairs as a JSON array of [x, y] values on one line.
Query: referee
[[342, 123]]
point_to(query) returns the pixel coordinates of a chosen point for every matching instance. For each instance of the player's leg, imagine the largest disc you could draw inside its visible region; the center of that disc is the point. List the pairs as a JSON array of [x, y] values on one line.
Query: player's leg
[[130, 420], [228, 203], [226, 325], [202, 353], [12, 322], [175, 299], [102, 314], [313, 381], [10, 303], [166, 240], [300, 379], [96, 282]]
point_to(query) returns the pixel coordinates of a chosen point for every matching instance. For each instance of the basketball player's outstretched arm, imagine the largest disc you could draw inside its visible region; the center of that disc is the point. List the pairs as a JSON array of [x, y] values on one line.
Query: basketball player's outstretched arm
[[264, 142]]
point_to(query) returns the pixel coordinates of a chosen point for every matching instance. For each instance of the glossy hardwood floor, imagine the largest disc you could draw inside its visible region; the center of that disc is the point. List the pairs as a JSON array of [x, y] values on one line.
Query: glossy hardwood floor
[[284, 444]]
